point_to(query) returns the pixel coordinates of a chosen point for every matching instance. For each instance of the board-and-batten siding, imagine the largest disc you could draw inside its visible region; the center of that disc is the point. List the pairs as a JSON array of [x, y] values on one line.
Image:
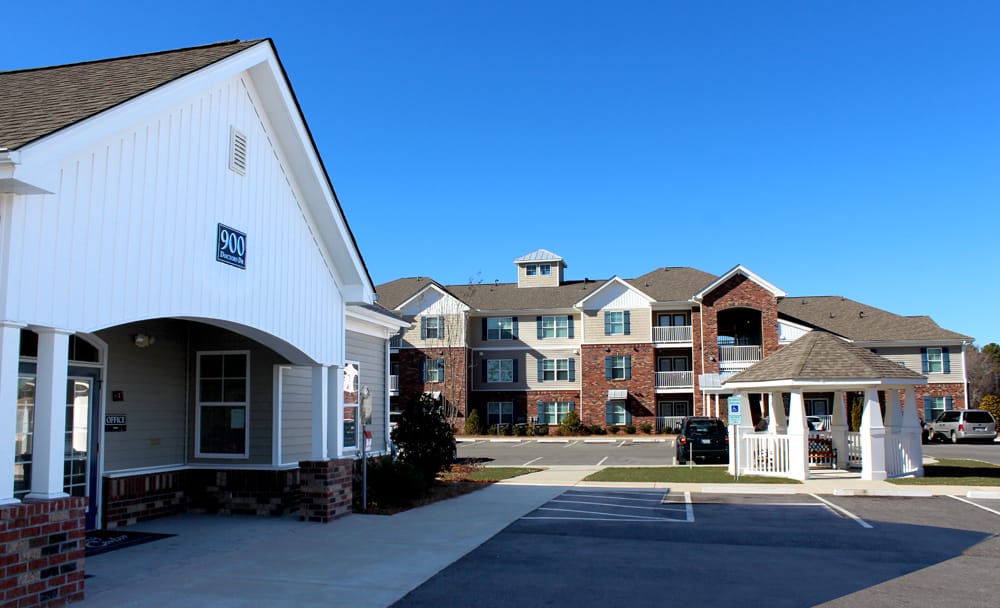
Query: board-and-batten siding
[[912, 359], [433, 303], [130, 233], [296, 413], [369, 352]]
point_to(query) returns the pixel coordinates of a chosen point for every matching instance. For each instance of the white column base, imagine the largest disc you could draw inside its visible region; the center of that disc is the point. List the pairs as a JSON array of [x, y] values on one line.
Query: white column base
[[46, 496]]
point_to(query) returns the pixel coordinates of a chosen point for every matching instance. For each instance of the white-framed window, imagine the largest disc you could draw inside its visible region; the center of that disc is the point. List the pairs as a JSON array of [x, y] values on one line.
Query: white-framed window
[[223, 404], [555, 327], [352, 402], [618, 367], [933, 406], [499, 412], [545, 269], [432, 328], [935, 361], [616, 413], [433, 370], [531, 270], [500, 370], [553, 412], [555, 370], [501, 328], [616, 323]]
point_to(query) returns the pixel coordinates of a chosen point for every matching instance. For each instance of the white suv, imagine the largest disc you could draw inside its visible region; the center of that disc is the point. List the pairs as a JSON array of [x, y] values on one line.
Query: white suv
[[957, 425]]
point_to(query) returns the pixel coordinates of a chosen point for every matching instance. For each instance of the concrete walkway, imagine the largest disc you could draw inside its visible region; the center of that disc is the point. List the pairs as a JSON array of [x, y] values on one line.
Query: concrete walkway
[[361, 560]]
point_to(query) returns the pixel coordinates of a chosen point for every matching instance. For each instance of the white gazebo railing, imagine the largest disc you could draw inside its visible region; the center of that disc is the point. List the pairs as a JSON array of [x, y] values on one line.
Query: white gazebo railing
[[900, 452], [854, 450], [765, 454]]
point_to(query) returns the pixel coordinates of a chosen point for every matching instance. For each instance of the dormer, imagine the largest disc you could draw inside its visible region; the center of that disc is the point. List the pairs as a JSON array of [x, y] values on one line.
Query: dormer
[[540, 268]]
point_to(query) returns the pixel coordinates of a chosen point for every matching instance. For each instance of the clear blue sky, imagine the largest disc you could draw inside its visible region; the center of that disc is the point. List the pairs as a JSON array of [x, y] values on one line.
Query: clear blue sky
[[833, 147]]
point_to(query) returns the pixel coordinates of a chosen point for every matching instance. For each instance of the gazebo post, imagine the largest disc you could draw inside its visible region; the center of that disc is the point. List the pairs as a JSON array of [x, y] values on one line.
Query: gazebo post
[[911, 430], [893, 415], [777, 424], [798, 444], [872, 438], [838, 430]]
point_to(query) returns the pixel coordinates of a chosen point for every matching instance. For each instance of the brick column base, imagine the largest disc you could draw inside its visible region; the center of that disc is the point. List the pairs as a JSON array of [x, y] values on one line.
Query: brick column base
[[41, 552], [326, 489]]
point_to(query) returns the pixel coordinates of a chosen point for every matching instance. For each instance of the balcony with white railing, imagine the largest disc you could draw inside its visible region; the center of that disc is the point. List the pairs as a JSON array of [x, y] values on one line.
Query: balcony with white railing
[[738, 358], [673, 334], [395, 341], [668, 380], [394, 385]]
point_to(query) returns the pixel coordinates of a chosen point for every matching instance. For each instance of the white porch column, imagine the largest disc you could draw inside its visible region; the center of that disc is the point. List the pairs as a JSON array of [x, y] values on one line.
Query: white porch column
[[838, 430], [798, 437], [335, 435], [10, 345], [911, 428], [872, 439], [49, 451], [777, 423], [893, 415], [320, 412]]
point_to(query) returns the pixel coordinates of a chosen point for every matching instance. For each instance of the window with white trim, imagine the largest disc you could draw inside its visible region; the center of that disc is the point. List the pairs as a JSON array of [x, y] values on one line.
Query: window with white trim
[[554, 370], [545, 269], [555, 327], [499, 412], [614, 322], [616, 413], [500, 328], [531, 270], [933, 406], [432, 328], [935, 361], [553, 412], [433, 370], [618, 367], [223, 404], [500, 370]]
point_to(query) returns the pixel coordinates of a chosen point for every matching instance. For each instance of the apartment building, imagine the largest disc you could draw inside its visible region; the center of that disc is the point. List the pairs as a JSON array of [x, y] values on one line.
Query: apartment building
[[619, 351]]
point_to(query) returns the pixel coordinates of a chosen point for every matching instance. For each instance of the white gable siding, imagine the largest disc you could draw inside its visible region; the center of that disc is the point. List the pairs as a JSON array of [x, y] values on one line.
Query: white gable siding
[[130, 233], [615, 297]]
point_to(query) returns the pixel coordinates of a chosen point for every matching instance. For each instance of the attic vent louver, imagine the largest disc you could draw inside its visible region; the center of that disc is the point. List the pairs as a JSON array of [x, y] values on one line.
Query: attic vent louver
[[237, 151]]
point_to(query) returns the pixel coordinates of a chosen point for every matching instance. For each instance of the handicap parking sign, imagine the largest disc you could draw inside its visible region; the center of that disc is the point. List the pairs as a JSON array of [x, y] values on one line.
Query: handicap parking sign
[[735, 414]]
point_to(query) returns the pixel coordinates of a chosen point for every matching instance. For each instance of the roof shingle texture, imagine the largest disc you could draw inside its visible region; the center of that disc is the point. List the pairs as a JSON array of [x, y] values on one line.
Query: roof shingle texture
[[860, 322], [819, 355], [37, 102]]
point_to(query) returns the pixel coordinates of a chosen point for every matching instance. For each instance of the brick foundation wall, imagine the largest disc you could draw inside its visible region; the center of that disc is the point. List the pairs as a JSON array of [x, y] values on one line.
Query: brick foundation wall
[[128, 500], [241, 492], [641, 387], [41, 552], [326, 489]]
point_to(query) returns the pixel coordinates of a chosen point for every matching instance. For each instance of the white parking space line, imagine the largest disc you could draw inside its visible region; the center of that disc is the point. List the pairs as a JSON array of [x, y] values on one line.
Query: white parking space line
[[620, 444], [969, 502], [517, 445], [602, 461], [658, 507], [617, 497], [532, 461], [571, 443], [607, 516], [844, 512]]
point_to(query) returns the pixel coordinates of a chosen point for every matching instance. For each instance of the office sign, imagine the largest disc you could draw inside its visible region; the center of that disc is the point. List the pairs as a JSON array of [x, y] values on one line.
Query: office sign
[[231, 247], [115, 423]]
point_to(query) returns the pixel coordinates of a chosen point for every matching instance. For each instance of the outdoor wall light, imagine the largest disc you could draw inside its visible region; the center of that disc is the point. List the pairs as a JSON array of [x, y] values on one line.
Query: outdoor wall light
[[143, 340]]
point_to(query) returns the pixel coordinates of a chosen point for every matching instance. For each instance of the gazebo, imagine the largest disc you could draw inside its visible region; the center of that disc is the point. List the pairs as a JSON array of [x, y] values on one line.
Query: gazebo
[[819, 362]]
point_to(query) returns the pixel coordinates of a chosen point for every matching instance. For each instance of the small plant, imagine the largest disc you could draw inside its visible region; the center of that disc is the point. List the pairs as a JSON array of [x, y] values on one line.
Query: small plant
[[630, 429], [570, 424], [424, 438], [991, 403], [540, 430], [473, 426], [390, 483], [596, 429], [521, 430], [646, 428], [614, 430]]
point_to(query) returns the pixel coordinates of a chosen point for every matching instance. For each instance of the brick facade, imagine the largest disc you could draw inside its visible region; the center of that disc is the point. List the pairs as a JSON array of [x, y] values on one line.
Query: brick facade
[[128, 500], [641, 386], [454, 388], [525, 403], [41, 552], [327, 491]]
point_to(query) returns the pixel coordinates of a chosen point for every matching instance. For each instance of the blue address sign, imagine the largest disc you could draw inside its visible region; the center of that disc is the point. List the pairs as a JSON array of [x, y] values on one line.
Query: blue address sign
[[231, 247]]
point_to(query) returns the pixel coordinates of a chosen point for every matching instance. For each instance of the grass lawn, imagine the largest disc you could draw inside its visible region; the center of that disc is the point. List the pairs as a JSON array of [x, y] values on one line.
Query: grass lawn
[[698, 474], [955, 472], [497, 473]]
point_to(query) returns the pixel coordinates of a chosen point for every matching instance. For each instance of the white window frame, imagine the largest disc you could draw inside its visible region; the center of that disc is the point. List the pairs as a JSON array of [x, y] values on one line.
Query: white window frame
[[431, 367], [438, 328], [545, 269], [500, 409], [496, 326], [618, 413], [499, 371], [615, 359], [352, 406], [199, 405], [937, 361], [935, 410], [554, 412], [555, 370], [531, 270], [613, 323], [555, 326]]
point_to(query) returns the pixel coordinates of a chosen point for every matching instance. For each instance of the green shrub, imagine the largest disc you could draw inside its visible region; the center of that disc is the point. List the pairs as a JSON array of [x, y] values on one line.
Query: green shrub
[[521, 430], [424, 437], [570, 424], [991, 403], [473, 426], [630, 429], [857, 410], [540, 430], [596, 429], [646, 427], [390, 483], [614, 430]]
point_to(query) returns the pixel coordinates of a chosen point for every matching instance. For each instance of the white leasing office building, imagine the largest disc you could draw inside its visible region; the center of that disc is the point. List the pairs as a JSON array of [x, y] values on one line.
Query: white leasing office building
[[177, 287]]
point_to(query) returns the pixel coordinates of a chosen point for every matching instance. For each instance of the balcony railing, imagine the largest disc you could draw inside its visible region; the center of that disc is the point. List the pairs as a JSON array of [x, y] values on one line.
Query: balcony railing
[[394, 385], [675, 333], [738, 357], [674, 379], [395, 341]]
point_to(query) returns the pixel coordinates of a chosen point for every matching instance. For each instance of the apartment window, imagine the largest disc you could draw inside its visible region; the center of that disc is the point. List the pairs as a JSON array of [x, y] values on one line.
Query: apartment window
[[500, 370], [500, 328], [617, 367], [223, 404], [616, 323], [554, 370], [935, 405], [433, 370], [553, 412], [499, 412], [935, 361], [545, 269], [352, 402], [560, 326], [616, 413], [432, 328], [531, 270]]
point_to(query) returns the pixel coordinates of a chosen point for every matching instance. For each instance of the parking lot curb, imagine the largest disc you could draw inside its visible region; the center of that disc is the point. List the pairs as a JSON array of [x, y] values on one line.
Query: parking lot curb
[[600, 440], [552, 440], [983, 494], [505, 441], [748, 489], [883, 493], [649, 441]]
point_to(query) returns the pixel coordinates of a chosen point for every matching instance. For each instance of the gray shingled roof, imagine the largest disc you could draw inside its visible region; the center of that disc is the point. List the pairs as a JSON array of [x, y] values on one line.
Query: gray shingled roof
[[40, 101], [820, 355], [860, 322], [672, 284]]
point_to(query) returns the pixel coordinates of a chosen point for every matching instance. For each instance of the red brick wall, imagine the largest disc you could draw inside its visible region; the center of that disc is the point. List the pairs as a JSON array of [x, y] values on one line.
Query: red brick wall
[[955, 390], [525, 402], [453, 389], [41, 552], [327, 490], [128, 500], [641, 387]]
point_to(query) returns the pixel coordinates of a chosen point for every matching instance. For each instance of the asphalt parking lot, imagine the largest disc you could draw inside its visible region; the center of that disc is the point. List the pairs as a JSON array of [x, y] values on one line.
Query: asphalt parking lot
[[593, 547]]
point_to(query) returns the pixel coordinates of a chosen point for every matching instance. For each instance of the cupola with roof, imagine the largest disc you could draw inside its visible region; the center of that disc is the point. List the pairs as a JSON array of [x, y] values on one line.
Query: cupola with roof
[[540, 268]]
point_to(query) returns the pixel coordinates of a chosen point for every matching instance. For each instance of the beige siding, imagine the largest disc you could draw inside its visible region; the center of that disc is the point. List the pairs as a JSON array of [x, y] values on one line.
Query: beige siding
[[640, 327], [533, 382], [527, 326], [454, 333], [911, 358], [519, 356], [369, 352], [296, 413], [539, 280]]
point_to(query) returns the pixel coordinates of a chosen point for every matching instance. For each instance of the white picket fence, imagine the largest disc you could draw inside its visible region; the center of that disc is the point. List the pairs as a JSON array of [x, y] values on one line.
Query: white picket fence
[[765, 454]]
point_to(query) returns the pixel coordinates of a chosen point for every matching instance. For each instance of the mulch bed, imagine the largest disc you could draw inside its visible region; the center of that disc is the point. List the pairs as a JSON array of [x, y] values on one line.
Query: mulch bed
[[452, 484]]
